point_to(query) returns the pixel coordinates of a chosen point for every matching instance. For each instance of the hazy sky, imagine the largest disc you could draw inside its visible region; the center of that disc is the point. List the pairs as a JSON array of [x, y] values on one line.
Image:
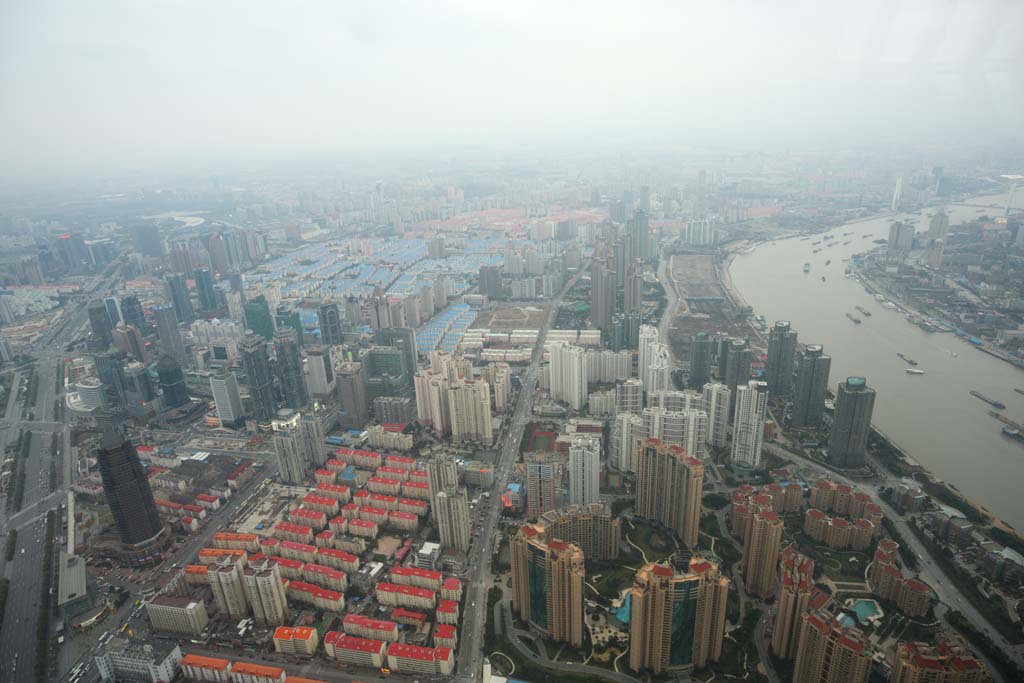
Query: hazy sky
[[105, 87]]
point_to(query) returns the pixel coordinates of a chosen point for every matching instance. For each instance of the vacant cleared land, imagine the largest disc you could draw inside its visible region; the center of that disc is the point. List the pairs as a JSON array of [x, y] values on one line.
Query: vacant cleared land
[[508, 318]]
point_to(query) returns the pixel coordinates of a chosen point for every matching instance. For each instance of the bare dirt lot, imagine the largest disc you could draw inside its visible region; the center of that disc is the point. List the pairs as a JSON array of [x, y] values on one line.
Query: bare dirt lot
[[508, 318]]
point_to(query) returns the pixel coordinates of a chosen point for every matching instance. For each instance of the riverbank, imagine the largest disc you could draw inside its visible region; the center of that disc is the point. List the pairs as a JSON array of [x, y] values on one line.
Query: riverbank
[[776, 287]]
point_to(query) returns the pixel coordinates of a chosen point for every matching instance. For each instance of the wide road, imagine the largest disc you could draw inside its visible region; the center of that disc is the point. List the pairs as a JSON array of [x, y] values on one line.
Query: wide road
[[480, 578]]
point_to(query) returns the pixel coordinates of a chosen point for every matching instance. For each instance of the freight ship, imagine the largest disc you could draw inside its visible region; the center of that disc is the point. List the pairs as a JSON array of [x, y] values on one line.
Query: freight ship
[[995, 404], [854, 318], [863, 310], [908, 360]]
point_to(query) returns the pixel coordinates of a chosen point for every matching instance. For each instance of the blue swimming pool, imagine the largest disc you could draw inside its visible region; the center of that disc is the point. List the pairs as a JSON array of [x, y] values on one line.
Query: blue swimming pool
[[622, 611], [865, 610]]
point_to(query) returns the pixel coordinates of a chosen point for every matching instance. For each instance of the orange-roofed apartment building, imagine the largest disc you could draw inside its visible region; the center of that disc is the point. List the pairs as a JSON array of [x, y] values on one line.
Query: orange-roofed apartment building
[[797, 573], [828, 652], [547, 584], [301, 640], [677, 619], [923, 663], [669, 488]]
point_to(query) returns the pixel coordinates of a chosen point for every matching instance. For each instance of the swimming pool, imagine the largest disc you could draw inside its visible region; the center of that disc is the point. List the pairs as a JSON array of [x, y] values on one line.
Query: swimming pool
[[622, 611], [865, 610]]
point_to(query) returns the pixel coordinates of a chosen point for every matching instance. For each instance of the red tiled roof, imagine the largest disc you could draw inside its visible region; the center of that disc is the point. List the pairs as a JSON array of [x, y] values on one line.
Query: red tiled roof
[[423, 654]]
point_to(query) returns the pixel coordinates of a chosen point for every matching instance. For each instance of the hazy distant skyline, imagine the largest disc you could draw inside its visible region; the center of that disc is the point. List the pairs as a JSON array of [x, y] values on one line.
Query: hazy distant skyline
[[105, 87]]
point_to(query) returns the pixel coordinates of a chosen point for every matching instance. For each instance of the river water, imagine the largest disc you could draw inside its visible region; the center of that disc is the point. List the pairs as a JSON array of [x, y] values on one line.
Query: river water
[[932, 417]]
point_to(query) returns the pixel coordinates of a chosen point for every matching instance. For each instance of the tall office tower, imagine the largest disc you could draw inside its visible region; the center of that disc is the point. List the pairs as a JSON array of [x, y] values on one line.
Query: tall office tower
[[176, 290], [851, 423], [629, 432], [224, 387], [639, 235], [204, 288], [794, 597], [330, 324], [625, 330], [542, 476], [319, 372], [394, 409], [453, 518], [113, 311], [258, 375], [131, 311], [169, 334], [677, 620], [291, 465], [128, 339], [941, 663], [761, 553], [380, 309], [172, 382], [403, 339], [313, 439], [547, 584], [809, 389], [781, 352], [490, 281], [657, 375], [701, 351], [938, 226], [748, 423], [569, 375], [218, 254], [737, 368], [668, 488], [442, 474], [935, 254], [236, 306], [110, 371], [99, 325], [440, 292], [602, 294], [629, 396], [352, 391], [901, 238], [469, 405], [258, 318], [897, 195], [648, 338], [139, 389], [716, 398], [385, 372], [127, 490], [632, 291], [288, 317], [265, 592], [585, 470], [289, 367], [828, 652]]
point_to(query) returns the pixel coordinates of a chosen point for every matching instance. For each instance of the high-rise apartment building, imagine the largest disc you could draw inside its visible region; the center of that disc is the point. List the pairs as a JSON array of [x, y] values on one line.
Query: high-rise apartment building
[[627, 435], [291, 465], [781, 352], [810, 387], [716, 398], [629, 396], [591, 527], [632, 291], [657, 374], [602, 294], [432, 401], [469, 406], [224, 387], [941, 663], [851, 423], [169, 334], [289, 367], [701, 350], [585, 470], [313, 438], [737, 368], [490, 281], [761, 552], [648, 338], [547, 584], [258, 376], [542, 476], [828, 652], [638, 231], [453, 518], [568, 372], [669, 488], [127, 490], [748, 425], [797, 573], [329, 316], [352, 391], [264, 592], [442, 474], [677, 619]]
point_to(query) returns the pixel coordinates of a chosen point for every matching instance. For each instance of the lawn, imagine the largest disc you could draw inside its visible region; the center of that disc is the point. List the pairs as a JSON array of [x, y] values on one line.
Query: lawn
[[657, 543], [613, 578], [840, 564]]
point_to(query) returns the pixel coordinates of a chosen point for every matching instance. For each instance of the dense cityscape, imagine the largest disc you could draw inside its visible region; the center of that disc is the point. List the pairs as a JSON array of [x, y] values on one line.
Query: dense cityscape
[[424, 344]]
